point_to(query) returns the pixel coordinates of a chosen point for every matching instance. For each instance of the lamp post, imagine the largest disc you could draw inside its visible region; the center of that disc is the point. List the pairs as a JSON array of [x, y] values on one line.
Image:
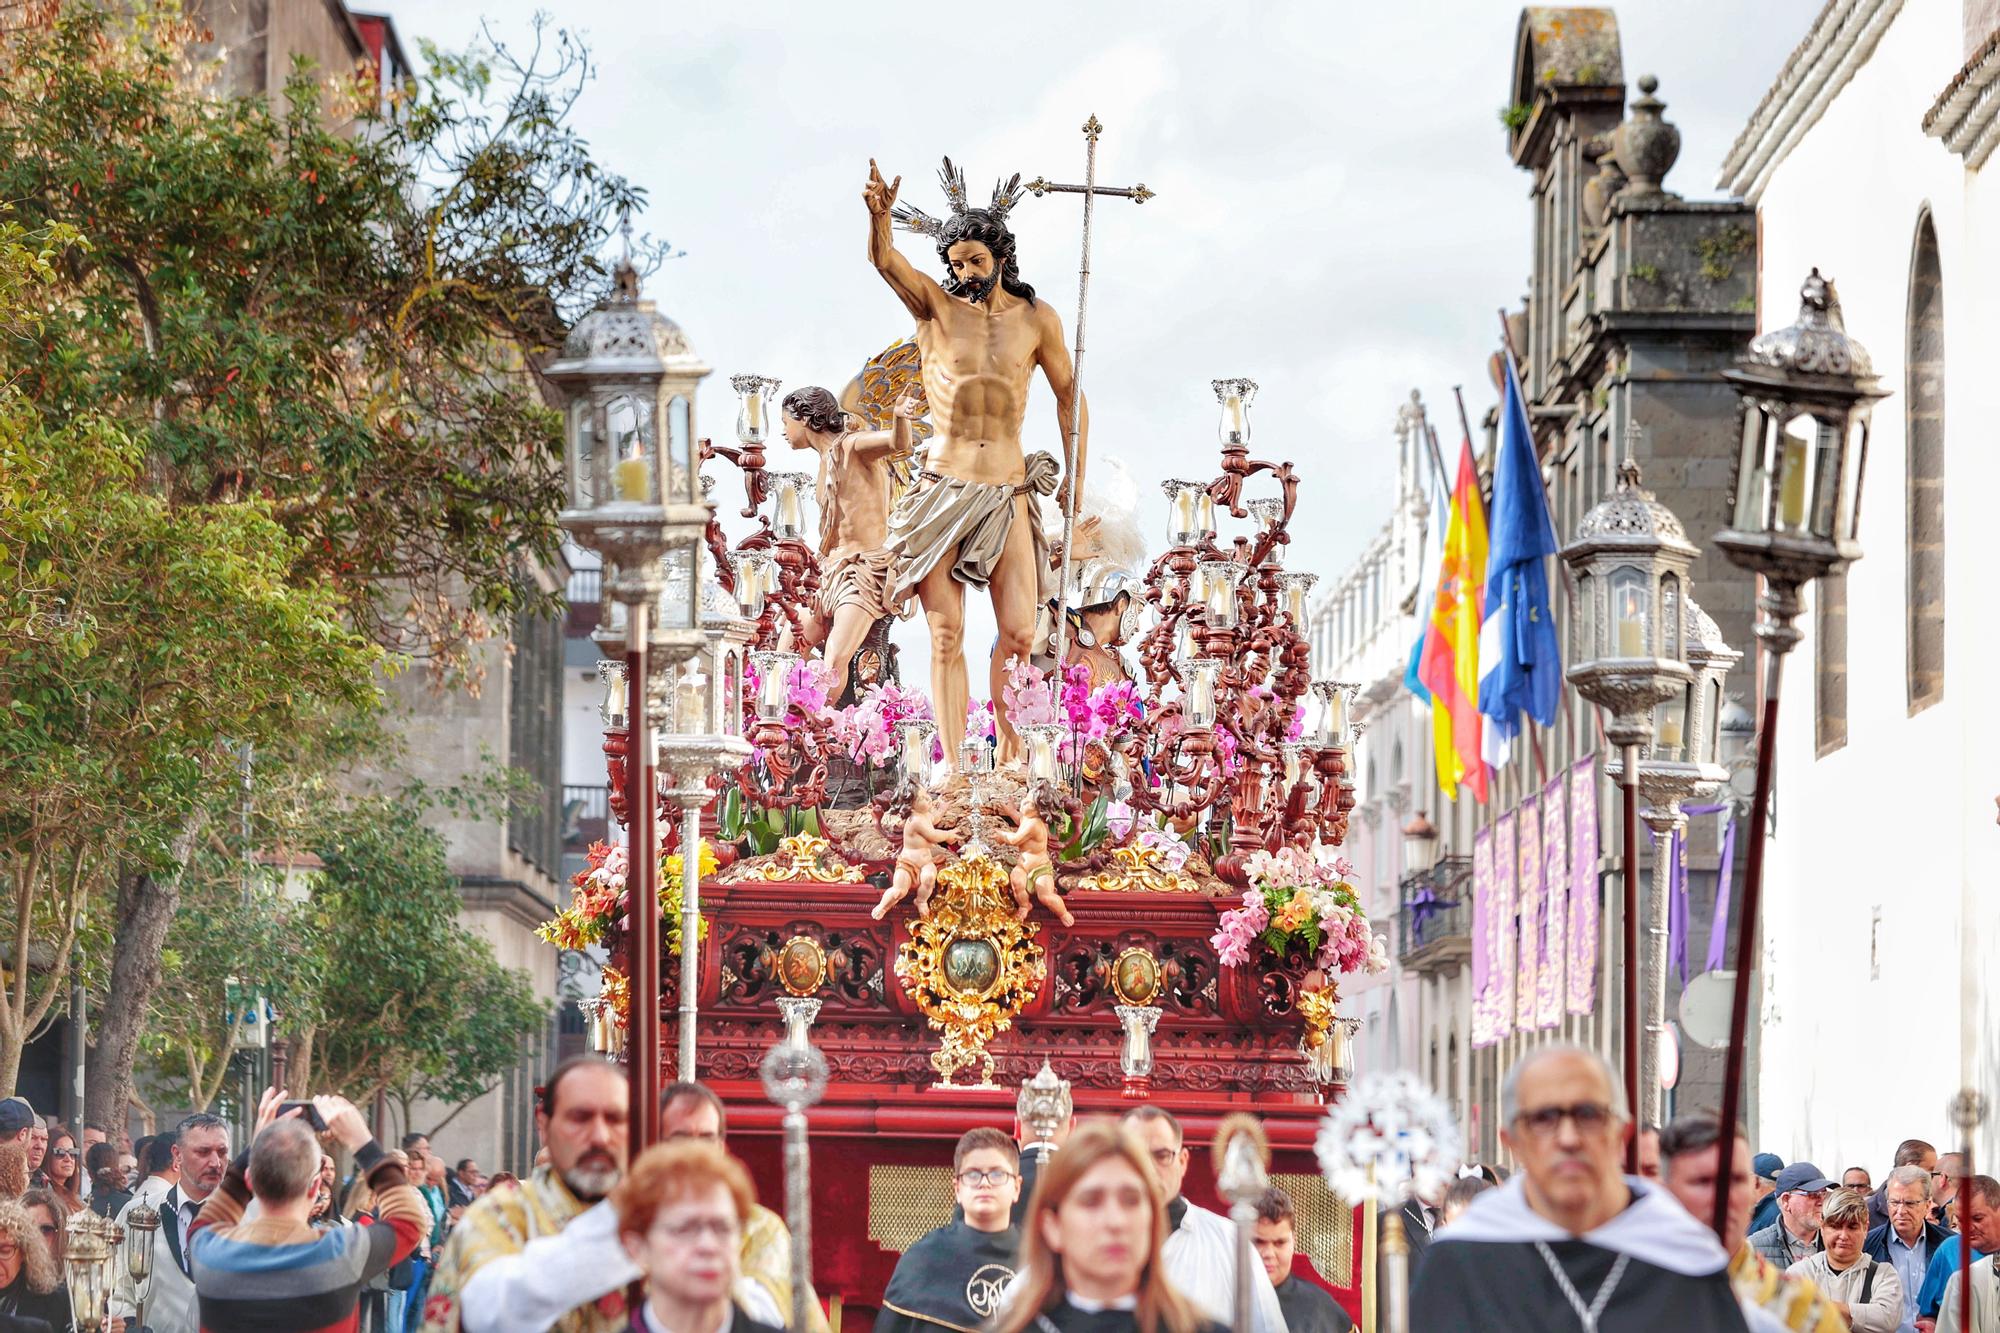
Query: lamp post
[[628, 376], [1808, 392], [705, 738], [1628, 655], [1680, 764]]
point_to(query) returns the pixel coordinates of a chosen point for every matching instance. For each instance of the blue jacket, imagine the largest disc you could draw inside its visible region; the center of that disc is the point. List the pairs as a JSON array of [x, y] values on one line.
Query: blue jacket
[[1877, 1245]]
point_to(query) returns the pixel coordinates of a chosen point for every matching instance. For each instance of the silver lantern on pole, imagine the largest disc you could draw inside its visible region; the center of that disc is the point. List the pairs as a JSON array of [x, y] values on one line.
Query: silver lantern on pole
[[794, 1075], [628, 376], [1628, 654], [1808, 392], [1681, 763]]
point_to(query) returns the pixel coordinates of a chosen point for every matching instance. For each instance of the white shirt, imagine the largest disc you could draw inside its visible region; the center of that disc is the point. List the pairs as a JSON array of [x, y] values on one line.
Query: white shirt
[[1200, 1260], [170, 1305], [652, 1325], [1985, 1301]]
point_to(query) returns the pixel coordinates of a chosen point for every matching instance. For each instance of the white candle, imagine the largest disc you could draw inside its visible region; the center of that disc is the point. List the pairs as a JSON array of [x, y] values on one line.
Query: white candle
[[754, 405], [1631, 637], [1232, 413], [635, 479], [1792, 484], [791, 517], [1183, 517]]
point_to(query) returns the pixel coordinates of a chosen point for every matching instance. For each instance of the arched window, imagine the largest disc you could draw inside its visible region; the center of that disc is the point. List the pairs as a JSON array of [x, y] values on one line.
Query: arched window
[[1923, 408]]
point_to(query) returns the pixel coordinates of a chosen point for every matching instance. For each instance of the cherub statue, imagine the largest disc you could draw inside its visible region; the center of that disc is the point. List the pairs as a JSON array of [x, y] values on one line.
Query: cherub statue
[[1034, 875], [853, 493], [917, 863]]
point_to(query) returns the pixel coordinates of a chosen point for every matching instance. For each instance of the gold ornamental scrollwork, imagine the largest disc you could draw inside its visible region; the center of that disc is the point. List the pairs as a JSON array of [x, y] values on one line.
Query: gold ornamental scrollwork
[[1137, 869], [803, 857], [971, 965]]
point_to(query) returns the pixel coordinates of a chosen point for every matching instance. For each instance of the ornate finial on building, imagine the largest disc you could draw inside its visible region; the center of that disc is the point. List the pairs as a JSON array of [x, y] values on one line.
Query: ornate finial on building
[[1646, 145]]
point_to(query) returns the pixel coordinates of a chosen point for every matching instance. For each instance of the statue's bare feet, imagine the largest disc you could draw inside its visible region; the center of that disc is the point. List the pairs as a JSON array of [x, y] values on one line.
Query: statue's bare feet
[[895, 893]]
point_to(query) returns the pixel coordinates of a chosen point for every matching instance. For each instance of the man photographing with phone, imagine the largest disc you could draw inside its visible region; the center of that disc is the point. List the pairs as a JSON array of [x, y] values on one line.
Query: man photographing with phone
[[278, 1272]]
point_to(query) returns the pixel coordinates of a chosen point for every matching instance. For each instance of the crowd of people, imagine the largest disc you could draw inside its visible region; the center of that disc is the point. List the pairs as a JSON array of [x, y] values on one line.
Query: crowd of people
[[1095, 1237], [1571, 1241]]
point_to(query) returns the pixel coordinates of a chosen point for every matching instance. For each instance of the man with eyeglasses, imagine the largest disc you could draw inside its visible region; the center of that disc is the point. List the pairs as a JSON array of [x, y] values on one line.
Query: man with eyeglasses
[[1910, 1152], [1570, 1242], [1794, 1236], [951, 1279], [1200, 1253], [1909, 1239]]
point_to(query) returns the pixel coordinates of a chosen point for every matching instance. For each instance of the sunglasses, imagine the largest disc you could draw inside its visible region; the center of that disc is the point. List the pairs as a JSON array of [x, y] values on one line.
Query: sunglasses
[[64, 1152]]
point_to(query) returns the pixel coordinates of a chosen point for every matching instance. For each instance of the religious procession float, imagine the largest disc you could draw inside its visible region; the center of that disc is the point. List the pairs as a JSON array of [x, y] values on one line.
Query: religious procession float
[[1116, 878]]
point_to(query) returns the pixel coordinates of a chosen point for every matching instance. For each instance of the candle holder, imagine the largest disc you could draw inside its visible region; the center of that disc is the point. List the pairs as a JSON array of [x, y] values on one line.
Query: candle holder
[[140, 1224], [1044, 1106], [788, 511], [914, 740], [1135, 1057], [798, 1013], [87, 1253], [1235, 395]]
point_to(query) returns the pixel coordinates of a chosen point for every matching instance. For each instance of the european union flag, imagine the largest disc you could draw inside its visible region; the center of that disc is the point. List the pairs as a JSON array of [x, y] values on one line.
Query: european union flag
[[1520, 661]]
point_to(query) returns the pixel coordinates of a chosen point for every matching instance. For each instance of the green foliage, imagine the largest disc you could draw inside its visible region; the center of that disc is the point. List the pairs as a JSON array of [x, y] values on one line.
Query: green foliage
[[1645, 272], [333, 316], [139, 642], [1515, 116], [1721, 252], [411, 1001]]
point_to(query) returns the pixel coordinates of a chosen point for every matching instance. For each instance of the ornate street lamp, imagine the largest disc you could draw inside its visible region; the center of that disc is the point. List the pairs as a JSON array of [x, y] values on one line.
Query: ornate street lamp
[[1628, 655], [706, 738], [1808, 391], [1680, 764], [629, 378]]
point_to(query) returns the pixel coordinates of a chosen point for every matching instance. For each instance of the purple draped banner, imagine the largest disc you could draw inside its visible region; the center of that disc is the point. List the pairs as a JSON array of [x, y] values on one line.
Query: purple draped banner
[[1506, 931], [1482, 954], [1583, 887], [1527, 989], [1550, 978]]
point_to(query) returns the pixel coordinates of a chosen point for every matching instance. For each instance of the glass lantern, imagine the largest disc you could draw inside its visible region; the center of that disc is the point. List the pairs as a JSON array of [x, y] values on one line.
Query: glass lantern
[[1219, 585], [1268, 511], [774, 675], [1184, 511], [1334, 727], [1202, 677], [914, 740], [753, 571], [1235, 395], [788, 512], [1292, 754], [1632, 611], [975, 755], [1044, 764], [1808, 392], [754, 407], [1296, 588], [611, 705]]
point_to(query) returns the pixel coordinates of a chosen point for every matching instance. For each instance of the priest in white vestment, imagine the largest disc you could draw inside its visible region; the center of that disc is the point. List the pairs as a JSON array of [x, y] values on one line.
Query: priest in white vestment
[[1201, 1249]]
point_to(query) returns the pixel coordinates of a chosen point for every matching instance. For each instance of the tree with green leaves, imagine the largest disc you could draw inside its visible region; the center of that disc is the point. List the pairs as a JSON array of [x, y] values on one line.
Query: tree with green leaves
[[319, 316], [410, 1002]]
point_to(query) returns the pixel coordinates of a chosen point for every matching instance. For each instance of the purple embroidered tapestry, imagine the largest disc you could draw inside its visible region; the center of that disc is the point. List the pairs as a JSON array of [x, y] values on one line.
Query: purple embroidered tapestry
[[1551, 991], [1506, 929], [1482, 941], [1583, 889], [1528, 947]]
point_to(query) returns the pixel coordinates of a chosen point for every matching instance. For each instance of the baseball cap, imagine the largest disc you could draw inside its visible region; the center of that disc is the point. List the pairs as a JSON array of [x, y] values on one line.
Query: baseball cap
[[1767, 1165], [1802, 1176], [15, 1116]]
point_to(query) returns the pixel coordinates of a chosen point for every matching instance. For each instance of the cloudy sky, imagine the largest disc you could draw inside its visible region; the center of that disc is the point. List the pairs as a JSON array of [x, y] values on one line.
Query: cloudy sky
[[1337, 215]]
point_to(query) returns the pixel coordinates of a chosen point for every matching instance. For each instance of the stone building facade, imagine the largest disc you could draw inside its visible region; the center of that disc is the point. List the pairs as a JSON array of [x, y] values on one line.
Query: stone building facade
[[1638, 299], [1414, 1016], [1868, 159]]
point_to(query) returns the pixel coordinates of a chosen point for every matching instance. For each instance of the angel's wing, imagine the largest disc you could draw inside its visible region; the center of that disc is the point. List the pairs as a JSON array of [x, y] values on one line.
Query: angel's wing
[[890, 375]]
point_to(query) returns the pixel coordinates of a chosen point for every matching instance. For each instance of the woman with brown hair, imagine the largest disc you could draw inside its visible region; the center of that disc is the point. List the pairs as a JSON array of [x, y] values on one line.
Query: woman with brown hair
[[63, 1170], [13, 1170], [1090, 1246], [51, 1218]]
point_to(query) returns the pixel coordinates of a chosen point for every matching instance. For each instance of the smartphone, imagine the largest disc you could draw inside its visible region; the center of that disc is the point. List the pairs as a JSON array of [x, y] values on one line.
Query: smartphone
[[307, 1112]]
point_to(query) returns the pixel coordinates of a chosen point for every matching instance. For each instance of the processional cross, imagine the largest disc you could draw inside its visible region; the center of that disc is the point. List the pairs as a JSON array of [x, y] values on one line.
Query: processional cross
[[1090, 189]]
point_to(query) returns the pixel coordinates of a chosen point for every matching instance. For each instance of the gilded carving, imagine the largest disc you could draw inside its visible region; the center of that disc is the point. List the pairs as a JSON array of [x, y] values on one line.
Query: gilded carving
[[1140, 869], [971, 965], [802, 857]]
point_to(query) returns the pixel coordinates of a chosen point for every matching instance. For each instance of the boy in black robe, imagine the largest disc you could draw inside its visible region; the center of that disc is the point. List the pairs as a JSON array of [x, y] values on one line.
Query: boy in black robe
[[1570, 1243], [1308, 1308], [952, 1278]]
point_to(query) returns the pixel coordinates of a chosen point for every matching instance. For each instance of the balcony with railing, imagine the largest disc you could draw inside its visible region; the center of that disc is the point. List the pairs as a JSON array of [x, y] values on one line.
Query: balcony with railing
[[584, 593], [586, 817], [1434, 925]]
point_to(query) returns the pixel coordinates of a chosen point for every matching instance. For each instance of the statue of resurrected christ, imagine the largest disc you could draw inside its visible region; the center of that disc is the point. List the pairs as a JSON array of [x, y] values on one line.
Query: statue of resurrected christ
[[970, 515]]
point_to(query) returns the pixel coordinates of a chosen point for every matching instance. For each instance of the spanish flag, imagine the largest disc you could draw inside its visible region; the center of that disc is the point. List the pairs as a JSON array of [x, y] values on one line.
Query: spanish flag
[[1450, 666]]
